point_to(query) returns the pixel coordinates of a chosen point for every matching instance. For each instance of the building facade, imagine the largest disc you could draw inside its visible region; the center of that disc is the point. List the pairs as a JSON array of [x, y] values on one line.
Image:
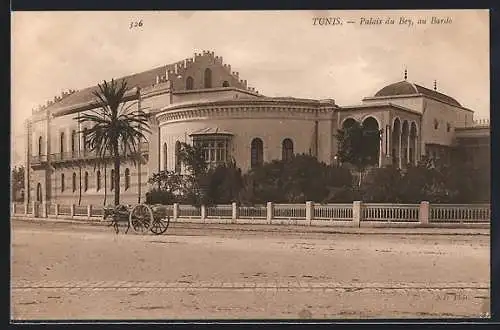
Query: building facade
[[201, 100]]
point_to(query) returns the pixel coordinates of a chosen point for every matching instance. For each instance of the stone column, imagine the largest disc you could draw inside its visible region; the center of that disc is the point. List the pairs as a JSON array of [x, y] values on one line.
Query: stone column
[[380, 152], [400, 160], [309, 212], [270, 209], [424, 213], [356, 214], [44, 209], [203, 213], [408, 150], [175, 211], [417, 150], [234, 214]]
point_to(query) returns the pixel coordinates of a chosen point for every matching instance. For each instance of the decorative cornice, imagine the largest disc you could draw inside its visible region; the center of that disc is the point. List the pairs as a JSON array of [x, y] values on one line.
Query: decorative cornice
[[379, 105], [238, 110]]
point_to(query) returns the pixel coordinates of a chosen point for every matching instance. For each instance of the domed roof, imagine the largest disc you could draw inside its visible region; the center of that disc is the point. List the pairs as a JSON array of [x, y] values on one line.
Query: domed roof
[[406, 88]]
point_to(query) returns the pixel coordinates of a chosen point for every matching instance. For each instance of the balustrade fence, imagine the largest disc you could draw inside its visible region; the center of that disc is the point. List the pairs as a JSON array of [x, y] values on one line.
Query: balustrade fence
[[309, 213]]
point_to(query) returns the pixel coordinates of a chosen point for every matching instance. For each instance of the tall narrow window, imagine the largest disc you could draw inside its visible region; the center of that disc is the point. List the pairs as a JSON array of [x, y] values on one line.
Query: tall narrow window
[[165, 156], [98, 180], [287, 150], [61, 142], [112, 178], [189, 83], [208, 78], [73, 182], [62, 182], [177, 157], [257, 153], [73, 141], [85, 139], [86, 181], [40, 146], [127, 178], [39, 193]]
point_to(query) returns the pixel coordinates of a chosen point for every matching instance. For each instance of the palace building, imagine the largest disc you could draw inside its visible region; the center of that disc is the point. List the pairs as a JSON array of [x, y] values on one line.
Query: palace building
[[202, 100]]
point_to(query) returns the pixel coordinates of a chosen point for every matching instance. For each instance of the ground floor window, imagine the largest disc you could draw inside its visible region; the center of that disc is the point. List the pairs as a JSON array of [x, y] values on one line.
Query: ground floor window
[[216, 148]]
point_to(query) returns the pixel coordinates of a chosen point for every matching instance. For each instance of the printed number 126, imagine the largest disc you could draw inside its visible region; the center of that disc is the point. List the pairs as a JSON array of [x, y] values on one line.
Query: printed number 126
[[136, 24]]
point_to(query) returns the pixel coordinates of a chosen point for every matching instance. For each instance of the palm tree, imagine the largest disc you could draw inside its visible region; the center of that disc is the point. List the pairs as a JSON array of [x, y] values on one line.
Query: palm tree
[[115, 127]]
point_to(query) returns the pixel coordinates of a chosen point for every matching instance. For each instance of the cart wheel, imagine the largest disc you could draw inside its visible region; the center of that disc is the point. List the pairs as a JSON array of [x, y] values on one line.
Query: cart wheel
[[141, 218], [160, 225]]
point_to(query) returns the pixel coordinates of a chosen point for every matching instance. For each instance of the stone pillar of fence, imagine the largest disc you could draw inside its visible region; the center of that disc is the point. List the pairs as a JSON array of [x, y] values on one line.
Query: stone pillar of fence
[[309, 212], [270, 209], [26, 208], [175, 211], [44, 209], [203, 212], [72, 210], [34, 209], [424, 213], [356, 214], [89, 211], [57, 210], [234, 214]]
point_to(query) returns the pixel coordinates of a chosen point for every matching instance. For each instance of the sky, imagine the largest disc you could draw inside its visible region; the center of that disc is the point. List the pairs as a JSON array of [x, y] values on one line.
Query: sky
[[280, 53]]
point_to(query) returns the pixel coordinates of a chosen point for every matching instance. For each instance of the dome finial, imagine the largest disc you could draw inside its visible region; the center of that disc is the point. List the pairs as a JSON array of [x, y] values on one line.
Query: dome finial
[[406, 74], [435, 85]]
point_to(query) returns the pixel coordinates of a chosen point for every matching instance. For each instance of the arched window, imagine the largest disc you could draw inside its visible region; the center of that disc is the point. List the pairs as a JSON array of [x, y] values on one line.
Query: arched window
[[40, 146], [225, 83], [73, 141], [98, 180], [39, 193], [61, 142], [436, 124], [73, 182], [85, 139], [165, 156], [86, 181], [127, 178], [177, 157], [62, 182], [257, 153], [112, 178], [208, 78], [189, 83], [287, 150]]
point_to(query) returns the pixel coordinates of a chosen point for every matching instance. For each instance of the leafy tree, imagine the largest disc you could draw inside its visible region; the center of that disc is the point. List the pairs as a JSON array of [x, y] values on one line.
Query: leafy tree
[[358, 145], [383, 186], [192, 156], [300, 179], [115, 127], [168, 187], [225, 184], [17, 184]]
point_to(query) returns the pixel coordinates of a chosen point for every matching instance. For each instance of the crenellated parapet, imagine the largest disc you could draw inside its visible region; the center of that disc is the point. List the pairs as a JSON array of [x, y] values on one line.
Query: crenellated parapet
[[55, 100]]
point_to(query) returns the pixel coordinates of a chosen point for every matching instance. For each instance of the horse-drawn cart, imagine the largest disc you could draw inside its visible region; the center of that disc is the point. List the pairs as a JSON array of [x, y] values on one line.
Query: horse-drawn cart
[[141, 218]]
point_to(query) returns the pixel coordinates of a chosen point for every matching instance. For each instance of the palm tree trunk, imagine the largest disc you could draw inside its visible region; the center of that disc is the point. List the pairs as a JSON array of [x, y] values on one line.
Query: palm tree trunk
[[105, 181], [116, 178]]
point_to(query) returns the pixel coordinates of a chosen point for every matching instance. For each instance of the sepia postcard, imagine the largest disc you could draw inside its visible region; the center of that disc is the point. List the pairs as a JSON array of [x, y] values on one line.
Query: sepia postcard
[[250, 165]]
